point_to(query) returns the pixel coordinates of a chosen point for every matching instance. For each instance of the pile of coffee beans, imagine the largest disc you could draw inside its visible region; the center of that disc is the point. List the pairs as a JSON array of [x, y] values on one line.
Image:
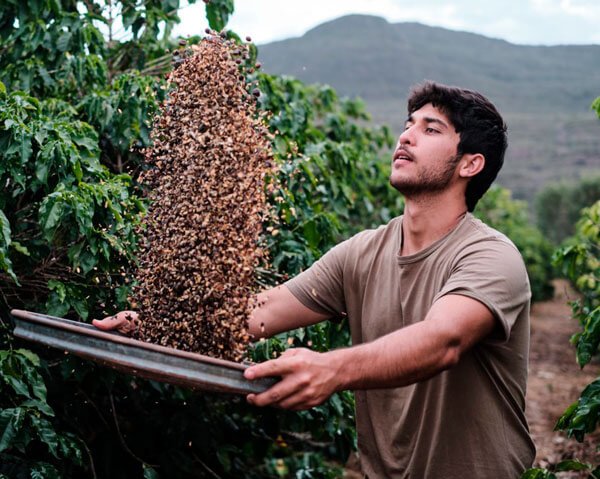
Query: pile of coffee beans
[[206, 180]]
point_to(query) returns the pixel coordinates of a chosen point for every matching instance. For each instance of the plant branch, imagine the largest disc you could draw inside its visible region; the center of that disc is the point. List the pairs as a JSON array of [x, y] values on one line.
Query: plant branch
[[121, 438]]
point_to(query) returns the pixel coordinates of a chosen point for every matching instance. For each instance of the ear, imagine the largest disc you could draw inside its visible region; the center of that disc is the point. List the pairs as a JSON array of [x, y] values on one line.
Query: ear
[[471, 164]]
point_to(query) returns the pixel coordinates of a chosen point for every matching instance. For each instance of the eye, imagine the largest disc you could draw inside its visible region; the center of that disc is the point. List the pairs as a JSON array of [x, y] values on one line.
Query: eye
[[431, 130]]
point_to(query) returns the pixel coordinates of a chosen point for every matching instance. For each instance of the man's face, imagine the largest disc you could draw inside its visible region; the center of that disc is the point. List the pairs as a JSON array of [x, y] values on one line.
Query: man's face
[[425, 158]]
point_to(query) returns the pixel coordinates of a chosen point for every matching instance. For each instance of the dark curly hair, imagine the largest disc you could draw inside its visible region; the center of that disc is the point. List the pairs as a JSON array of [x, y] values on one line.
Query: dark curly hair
[[476, 120]]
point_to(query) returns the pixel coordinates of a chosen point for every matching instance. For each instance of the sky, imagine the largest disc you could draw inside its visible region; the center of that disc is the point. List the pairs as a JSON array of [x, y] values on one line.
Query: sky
[[527, 22]]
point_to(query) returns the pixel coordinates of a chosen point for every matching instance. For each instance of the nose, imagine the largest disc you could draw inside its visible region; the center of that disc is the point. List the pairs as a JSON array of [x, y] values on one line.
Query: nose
[[406, 137]]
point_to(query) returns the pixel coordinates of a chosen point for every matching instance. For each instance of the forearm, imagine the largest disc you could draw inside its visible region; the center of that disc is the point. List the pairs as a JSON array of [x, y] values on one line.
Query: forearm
[[406, 356], [277, 310], [411, 354]]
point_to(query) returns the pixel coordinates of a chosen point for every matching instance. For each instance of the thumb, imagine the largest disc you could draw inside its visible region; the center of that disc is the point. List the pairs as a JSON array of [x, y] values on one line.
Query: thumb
[[119, 320]]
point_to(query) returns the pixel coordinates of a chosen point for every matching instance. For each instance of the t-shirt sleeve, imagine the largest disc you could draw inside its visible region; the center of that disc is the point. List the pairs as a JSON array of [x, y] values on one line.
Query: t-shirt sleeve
[[493, 273], [321, 287]]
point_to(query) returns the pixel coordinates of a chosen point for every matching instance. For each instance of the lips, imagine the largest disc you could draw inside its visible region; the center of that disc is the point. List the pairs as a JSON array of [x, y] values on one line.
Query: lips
[[402, 154]]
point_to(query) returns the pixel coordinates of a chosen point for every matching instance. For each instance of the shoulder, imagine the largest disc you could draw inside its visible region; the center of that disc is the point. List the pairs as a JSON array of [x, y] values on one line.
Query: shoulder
[[488, 252], [477, 235], [364, 247]]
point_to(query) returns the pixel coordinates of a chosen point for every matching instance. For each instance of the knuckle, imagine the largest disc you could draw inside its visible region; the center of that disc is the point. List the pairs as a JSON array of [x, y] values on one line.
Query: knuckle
[[274, 396]]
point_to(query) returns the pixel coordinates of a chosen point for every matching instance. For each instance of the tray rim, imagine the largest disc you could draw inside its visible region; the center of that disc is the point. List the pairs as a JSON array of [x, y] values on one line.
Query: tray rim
[[116, 337], [138, 358]]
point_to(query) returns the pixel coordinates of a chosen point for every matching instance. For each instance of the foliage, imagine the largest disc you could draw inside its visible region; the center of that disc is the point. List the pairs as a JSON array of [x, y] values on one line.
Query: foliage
[[28, 423], [333, 180], [580, 262], [558, 206], [67, 222], [75, 110], [509, 216], [563, 466], [76, 106], [218, 12]]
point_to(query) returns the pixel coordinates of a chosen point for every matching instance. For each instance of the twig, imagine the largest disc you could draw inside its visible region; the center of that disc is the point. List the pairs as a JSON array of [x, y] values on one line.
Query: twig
[[94, 405], [214, 474], [89, 453], [121, 438]]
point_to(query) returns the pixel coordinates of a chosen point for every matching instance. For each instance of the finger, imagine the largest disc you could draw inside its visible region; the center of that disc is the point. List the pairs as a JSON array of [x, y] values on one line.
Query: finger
[[274, 367], [108, 324], [276, 395], [288, 353], [117, 321], [287, 363]]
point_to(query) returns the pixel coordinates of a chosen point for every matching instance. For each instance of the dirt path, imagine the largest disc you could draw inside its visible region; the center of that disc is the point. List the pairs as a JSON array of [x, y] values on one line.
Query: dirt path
[[555, 381]]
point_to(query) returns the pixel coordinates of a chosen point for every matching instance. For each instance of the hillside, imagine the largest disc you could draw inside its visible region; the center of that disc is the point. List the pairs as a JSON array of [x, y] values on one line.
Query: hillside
[[543, 92]]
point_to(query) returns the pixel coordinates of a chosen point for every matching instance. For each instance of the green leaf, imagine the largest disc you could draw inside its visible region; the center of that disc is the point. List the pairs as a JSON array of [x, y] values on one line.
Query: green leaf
[[81, 308], [218, 12], [572, 465], [30, 356], [11, 422], [70, 448], [311, 234], [43, 470], [55, 307], [150, 472], [537, 473], [19, 248], [41, 406], [87, 261], [11, 375], [19, 369], [4, 230], [77, 171], [62, 44], [53, 217], [46, 433], [59, 288], [42, 168]]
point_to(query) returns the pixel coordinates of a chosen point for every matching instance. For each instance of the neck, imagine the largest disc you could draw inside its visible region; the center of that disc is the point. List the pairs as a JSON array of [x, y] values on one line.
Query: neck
[[427, 219]]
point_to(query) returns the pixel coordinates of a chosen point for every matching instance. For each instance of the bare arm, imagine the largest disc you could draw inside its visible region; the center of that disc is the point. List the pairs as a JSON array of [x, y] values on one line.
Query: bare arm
[[415, 353], [278, 310]]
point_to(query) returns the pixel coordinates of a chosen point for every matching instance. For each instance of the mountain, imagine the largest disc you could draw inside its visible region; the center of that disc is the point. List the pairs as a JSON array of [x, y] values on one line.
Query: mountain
[[543, 92]]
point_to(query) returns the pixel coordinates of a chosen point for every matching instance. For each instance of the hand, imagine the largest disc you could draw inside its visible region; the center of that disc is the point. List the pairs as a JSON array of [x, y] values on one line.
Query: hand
[[308, 378], [125, 322]]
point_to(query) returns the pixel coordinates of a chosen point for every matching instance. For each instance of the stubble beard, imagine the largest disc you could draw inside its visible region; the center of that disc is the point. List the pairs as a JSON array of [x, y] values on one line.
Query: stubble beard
[[427, 181]]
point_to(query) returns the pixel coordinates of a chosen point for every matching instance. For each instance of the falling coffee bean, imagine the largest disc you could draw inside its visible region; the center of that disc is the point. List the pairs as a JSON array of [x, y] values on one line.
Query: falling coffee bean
[[200, 239]]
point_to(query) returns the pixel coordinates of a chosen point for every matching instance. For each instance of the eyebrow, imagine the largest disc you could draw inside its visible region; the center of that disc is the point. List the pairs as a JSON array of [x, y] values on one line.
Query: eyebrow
[[427, 120]]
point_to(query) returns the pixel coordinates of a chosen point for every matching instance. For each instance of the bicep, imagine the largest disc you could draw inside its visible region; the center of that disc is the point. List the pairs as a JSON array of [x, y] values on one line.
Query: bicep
[[466, 320], [278, 310]]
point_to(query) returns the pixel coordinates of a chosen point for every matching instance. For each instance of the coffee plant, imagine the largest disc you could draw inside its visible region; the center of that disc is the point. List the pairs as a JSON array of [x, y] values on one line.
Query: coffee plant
[[77, 98], [579, 261]]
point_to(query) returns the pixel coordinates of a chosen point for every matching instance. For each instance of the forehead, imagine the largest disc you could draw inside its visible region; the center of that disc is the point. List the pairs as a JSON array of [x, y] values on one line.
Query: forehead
[[429, 111]]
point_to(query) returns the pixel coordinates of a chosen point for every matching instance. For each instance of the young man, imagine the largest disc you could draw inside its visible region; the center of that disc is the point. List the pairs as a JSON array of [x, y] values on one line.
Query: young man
[[438, 307]]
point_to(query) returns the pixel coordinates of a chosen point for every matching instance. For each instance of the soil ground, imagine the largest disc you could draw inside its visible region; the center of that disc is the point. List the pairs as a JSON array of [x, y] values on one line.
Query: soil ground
[[555, 381]]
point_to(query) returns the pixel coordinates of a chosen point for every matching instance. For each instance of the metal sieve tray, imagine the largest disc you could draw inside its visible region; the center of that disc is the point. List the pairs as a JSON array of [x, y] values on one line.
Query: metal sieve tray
[[139, 358]]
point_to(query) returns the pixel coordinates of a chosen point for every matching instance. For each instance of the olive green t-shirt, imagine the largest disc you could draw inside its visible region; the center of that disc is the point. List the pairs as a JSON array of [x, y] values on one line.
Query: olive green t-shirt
[[465, 422]]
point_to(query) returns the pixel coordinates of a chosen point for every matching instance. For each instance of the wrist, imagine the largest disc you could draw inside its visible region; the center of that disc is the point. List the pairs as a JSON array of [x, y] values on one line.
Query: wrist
[[345, 367]]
